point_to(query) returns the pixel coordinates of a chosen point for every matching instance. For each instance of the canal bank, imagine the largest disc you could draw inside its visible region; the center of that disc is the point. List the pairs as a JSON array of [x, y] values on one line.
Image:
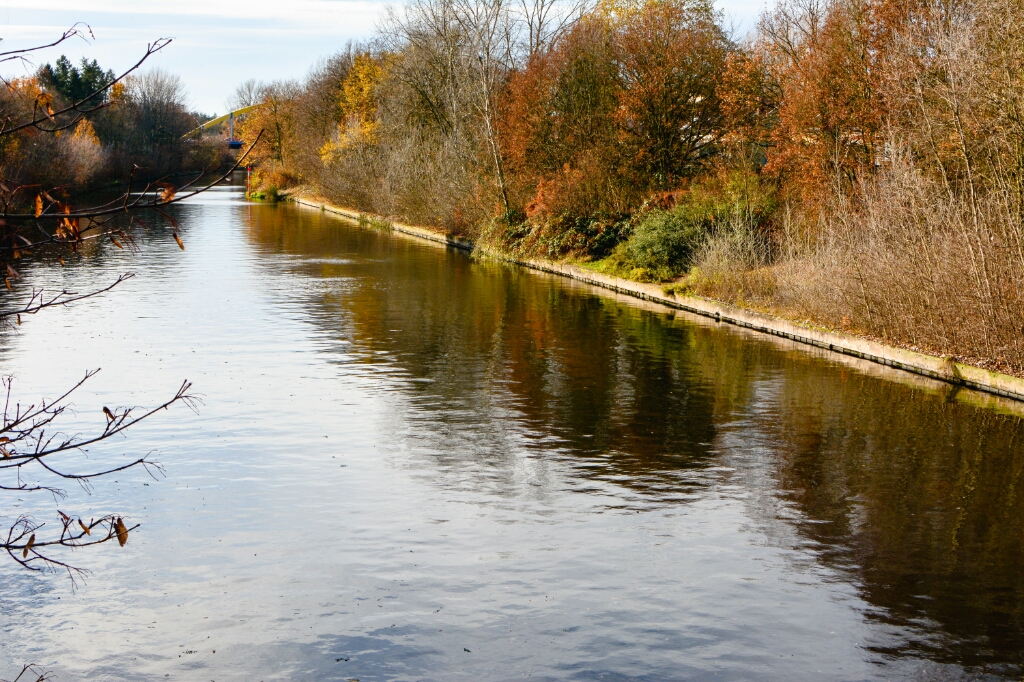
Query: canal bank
[[942, 369]]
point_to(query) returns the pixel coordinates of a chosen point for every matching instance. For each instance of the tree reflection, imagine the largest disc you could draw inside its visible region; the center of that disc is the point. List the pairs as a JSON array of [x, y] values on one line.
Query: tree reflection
[[911, 493], [922, 501], [606, 384]]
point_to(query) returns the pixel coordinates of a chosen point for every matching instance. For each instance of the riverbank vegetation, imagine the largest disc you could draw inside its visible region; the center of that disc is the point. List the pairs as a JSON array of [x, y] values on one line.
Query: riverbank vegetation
[[858, 164], [137, 124]]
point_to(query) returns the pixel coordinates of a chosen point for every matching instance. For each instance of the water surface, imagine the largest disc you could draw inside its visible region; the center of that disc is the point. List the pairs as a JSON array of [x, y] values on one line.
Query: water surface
[[411, 464]]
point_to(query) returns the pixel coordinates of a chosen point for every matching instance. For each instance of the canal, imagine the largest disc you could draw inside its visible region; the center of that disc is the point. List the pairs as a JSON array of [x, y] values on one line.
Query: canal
[[414, 464]]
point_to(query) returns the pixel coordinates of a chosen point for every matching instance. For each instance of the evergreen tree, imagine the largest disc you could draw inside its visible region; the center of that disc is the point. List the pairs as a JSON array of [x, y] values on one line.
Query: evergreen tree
[[76, 83]]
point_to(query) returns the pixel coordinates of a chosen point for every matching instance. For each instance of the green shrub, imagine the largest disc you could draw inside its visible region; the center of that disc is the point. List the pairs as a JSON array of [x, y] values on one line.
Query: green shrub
[[270, 194], [665, 242]]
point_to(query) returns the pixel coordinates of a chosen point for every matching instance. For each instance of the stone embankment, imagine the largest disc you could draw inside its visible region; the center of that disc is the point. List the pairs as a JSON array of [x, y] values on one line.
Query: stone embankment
[[941, 369]]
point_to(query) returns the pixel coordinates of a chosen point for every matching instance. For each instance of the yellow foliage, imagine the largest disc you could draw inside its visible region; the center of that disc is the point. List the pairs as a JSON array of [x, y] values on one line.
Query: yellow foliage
[[329, 151], [276, 118], [28, 87], [117, 92], [85, 132], [359, 103]]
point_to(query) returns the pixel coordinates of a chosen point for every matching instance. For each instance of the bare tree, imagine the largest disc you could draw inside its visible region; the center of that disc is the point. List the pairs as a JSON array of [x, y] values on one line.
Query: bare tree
[[457, 54], [544, 21], [456, 57], [247, 93], [491, 31]]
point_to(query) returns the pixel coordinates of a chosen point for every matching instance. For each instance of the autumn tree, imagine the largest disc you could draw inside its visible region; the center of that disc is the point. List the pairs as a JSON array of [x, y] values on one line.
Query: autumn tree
[[672, 55], [559, 123], [623, 103], [274, 124]]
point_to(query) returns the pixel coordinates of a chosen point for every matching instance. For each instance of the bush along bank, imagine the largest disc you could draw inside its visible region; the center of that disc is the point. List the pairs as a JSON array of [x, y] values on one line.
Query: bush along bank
[[856, 166]]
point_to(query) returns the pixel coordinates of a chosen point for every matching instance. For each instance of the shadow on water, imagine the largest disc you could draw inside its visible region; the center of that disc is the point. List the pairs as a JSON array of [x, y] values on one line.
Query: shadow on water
[[911, 494]]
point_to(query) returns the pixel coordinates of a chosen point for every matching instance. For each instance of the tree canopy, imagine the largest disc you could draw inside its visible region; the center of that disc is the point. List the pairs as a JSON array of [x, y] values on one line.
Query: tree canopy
[[75, 83]]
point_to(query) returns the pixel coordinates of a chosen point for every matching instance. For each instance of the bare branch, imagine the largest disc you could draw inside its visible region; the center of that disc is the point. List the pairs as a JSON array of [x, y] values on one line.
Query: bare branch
[[73, 32], [24, 440], [38, 119], [39, 301]]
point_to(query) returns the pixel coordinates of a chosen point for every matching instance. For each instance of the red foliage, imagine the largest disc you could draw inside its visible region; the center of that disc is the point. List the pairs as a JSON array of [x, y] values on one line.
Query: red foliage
[[672, 55], [828, 74]]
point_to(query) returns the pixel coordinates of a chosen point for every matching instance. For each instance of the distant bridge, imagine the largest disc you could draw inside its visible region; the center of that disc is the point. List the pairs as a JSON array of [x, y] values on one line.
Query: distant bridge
[[233, 143]]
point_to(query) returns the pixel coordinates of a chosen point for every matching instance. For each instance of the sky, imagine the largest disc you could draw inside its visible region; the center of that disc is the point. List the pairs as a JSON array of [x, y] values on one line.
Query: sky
[[217, 43]]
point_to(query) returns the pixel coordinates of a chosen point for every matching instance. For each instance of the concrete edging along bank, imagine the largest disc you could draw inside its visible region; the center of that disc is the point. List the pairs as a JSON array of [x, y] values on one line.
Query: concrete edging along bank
[[942, 369]]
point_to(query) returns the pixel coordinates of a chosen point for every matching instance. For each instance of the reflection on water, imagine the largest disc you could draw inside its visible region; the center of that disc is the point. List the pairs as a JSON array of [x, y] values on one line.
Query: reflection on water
[[414, 464], [919, 498], [483, 343]]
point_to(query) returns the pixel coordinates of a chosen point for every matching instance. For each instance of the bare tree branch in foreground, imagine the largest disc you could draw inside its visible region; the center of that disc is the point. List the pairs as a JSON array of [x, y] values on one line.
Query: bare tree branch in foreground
[[29, 436], [32, 218], [33, 673]]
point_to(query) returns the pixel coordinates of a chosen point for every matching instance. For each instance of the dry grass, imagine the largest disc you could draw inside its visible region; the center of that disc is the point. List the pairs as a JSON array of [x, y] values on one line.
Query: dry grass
[[922, 267], [911, 264], [733, 265]]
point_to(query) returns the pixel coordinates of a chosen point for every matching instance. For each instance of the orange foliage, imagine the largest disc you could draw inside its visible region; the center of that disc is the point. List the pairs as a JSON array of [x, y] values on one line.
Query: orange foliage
[[828, 74], [750, 99], [557, 112], [672, 55], [623, 104]]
